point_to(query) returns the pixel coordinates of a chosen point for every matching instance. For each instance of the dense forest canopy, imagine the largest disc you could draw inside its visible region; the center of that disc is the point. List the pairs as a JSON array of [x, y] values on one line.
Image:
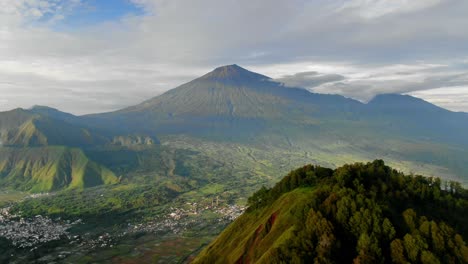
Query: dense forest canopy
[[360, 213]]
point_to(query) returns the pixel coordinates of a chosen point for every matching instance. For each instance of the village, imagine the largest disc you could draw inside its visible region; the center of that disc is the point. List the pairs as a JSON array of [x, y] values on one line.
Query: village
[[29, 233], [179, 219]]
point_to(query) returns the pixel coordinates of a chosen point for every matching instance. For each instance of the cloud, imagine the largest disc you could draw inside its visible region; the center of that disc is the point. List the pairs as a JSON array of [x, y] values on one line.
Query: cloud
[[102, 90], [357, 48], [366, 87], [26, 11], [371, 9], [454, 98], [363, 82], [309, 79]]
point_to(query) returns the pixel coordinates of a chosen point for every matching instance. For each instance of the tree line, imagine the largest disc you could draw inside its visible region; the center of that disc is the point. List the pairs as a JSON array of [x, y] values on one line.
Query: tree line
[[370, 213]]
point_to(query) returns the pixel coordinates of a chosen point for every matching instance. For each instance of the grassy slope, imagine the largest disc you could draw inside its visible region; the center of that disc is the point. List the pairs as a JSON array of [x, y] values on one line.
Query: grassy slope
[[265, 230], [28, 135], [9, 197], [248, 228], [45, 169], [25, 128]]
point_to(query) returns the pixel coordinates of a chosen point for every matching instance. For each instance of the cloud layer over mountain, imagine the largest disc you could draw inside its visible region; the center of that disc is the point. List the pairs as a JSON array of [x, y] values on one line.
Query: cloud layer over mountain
[[83, 57]]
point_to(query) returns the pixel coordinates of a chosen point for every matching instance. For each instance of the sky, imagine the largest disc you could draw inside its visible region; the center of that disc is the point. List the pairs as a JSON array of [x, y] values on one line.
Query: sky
[[89, 56]]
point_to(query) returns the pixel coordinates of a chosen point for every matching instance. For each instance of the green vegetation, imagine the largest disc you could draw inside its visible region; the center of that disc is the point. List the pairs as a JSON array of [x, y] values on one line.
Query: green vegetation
[[26, 128], [219, 137], [360, 213], [182, 169], [44, 169], [9, 197], [97, 201]]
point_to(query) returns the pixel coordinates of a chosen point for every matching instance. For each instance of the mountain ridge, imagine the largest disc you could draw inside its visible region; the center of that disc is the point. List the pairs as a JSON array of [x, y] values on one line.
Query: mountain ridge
[[45, 169], [233, 105], [232, 100], [24, 128], [357, 213], [40, 151], [227, 101]]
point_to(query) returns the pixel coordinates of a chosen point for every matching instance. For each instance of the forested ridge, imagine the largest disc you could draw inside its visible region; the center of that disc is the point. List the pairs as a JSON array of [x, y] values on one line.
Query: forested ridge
[[359, 213]]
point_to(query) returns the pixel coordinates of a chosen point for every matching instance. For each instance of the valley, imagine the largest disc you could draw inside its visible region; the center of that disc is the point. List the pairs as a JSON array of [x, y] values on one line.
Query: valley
[[158, 181], [171, 196], [233, 132]]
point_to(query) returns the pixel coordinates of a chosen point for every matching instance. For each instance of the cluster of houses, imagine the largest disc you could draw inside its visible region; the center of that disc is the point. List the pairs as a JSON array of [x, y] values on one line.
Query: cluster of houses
[[30, 233], [179, 219], [25, 233]]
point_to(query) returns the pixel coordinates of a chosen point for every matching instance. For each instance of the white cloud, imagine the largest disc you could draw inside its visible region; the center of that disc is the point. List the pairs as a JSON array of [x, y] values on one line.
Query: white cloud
[[377, 46], [363, 82], [371, 9], [17, 12], [309, 79], [454, 98]]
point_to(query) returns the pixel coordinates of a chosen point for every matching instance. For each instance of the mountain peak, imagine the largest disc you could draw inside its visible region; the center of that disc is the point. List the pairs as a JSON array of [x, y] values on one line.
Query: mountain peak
[[51, 112], [232, 67], [233, 73], [41, 108]]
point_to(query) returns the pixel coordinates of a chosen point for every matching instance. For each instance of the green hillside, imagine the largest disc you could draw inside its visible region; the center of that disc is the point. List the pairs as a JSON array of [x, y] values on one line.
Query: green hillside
[[41, 151], [43, 169], [360, 213], [13, 118], [26, 128]]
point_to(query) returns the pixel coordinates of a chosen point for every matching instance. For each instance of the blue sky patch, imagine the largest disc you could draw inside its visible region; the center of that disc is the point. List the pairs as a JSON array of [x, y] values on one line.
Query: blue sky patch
[[92, 12]]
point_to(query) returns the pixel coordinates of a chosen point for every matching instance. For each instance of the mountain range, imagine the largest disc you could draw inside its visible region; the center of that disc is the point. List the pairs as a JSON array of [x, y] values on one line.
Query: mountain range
[[234, 105], [231, 97]]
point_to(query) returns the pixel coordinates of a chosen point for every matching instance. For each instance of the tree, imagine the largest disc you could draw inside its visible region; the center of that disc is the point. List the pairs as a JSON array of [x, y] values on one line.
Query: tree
[[428, 258], [411, 247], [409, 216], [368, 250], [398, 252]]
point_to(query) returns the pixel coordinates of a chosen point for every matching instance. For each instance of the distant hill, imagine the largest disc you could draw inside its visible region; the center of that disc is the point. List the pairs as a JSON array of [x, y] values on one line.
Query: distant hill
[[416, 118], [40, 151], [360, 213], [53, 113], [25, 128], [44, 169]]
